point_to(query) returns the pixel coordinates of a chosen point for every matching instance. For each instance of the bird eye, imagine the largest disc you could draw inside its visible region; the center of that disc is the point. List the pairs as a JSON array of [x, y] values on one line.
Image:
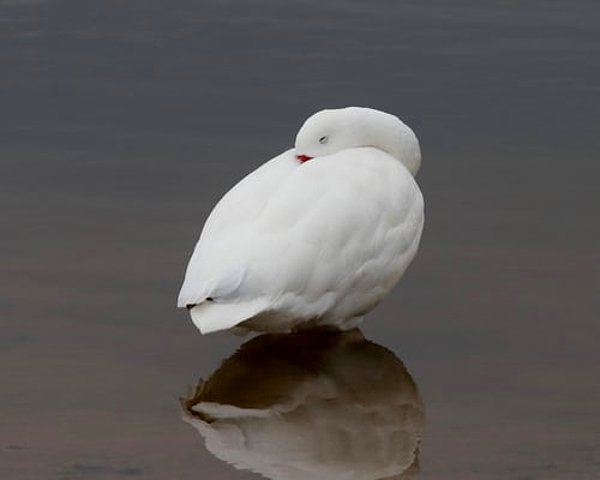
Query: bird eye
[[323, 140]]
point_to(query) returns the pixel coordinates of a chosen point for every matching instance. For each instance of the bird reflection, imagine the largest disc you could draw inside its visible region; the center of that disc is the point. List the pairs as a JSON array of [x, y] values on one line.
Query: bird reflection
[[314, 405]]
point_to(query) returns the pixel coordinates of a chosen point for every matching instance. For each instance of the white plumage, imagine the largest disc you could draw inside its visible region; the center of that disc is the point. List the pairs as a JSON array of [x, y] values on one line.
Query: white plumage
[[318, 235]]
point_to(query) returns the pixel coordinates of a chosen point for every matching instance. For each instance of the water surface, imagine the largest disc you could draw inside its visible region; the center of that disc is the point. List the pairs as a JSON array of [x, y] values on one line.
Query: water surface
[[121, 124]]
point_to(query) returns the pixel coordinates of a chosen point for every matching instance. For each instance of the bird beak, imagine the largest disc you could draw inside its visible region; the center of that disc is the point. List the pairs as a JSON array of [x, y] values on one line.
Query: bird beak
[[304, 158]]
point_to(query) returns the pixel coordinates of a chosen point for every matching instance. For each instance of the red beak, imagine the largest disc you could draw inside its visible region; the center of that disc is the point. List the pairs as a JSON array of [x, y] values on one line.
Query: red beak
[[304, 158]]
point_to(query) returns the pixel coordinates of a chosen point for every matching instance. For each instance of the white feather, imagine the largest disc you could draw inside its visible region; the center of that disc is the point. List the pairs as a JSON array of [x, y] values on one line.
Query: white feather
[[211, 317], [320, 242]]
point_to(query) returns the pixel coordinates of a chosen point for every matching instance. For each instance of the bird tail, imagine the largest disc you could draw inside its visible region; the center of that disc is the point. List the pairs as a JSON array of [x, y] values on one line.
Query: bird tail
[[210, 316]]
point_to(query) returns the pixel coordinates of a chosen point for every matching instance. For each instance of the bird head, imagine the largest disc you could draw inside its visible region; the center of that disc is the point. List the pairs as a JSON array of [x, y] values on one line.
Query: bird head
[[333, 130]]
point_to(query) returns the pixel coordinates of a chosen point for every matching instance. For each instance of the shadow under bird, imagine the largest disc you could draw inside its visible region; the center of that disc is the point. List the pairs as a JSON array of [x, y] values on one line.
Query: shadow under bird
[[311, 406], [315, 237]]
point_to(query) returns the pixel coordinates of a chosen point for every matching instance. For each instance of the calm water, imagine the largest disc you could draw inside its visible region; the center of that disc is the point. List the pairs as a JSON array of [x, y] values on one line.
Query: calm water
[[121, 124]]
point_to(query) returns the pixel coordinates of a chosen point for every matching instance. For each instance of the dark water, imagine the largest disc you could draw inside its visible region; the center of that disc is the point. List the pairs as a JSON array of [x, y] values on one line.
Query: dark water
[[121, 123]]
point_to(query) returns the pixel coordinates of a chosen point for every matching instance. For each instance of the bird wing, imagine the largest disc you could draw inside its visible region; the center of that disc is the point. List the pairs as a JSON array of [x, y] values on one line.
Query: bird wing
[[217, 264]]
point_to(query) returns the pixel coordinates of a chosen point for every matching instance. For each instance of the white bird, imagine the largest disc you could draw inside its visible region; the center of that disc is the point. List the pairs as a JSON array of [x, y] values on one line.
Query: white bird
[[318, 235]]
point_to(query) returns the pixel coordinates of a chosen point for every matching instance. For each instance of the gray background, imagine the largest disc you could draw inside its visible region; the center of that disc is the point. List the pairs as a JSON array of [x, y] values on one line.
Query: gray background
[[122, 123]]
